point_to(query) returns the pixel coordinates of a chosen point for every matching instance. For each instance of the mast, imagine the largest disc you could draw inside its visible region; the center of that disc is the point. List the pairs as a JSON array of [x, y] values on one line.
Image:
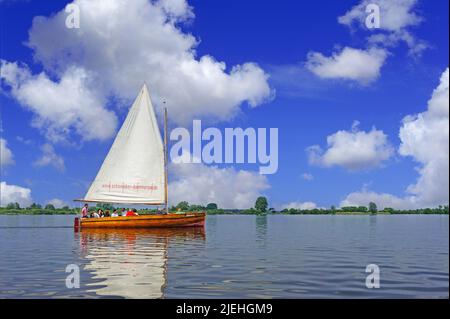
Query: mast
[[166, 189]]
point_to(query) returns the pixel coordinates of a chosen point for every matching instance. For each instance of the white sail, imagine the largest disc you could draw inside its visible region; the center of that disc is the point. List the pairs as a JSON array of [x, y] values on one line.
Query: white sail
[[133, 171]]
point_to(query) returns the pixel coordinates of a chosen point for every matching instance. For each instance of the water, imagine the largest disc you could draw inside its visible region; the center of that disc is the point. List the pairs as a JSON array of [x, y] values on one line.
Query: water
[[234, 257]]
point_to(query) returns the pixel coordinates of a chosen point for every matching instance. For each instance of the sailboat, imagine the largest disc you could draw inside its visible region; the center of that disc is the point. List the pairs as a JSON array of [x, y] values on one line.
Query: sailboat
[[135, 172]]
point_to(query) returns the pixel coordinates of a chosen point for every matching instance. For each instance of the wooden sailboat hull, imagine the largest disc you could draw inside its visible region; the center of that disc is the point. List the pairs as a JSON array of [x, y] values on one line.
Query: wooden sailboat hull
[[145, 221]]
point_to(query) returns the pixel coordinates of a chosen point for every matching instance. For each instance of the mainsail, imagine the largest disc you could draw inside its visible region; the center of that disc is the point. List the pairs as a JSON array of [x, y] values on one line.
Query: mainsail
[[134, 169]]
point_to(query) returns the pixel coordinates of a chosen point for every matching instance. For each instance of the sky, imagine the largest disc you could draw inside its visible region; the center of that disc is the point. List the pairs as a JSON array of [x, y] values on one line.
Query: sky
[[362, 112]]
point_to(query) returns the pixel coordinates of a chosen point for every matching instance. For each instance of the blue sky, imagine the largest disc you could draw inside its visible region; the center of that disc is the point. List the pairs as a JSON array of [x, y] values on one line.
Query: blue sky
[[307, 97]]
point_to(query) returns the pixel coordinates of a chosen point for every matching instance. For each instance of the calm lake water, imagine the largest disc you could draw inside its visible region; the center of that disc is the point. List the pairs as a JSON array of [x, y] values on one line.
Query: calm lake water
[[233, 257]]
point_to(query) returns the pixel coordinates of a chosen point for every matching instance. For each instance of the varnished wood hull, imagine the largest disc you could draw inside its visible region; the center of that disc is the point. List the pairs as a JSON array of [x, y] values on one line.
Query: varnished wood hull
[[146, 221]]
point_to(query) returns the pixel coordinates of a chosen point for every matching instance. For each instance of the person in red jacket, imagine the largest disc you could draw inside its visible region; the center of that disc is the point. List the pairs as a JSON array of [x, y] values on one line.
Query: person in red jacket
[[132, 212]]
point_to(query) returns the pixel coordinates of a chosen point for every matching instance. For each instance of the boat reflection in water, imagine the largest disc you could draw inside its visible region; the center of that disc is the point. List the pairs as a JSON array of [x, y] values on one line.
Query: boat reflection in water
[[131, 263]]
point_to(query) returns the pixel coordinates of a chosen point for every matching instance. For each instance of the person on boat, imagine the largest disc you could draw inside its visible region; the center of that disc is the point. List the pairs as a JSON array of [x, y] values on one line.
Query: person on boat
[[132, 212], [100, 213], [107, 214], [84, 211], [124, 212], [95, 215], [114, 213]]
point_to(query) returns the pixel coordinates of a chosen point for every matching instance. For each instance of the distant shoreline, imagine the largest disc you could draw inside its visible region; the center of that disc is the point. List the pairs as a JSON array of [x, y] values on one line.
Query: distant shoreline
[[261, 208]]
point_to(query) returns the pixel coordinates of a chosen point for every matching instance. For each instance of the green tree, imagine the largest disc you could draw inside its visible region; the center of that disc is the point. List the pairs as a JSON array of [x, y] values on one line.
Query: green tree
[[104, 207], [261, 204], [35, 206], [350, 209], [196, 208], [13, 206], [211, 206], [373, 208], [183, 206], [362, 209], [50, 207]]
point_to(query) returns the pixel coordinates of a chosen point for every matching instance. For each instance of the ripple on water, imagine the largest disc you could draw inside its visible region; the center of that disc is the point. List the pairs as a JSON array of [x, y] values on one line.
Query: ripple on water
[[237, 257]]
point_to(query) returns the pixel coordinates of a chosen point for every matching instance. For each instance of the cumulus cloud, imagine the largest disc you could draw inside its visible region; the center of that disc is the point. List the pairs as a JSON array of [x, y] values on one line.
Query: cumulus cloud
[[6, 156], [124, 43], [58, 203], [416, 46], [299, 205], [14, 193], [383, 200], [396, 17], [227, 187], [424, 137], [354, 150], [50, 158], [362, 66], [62, 108]]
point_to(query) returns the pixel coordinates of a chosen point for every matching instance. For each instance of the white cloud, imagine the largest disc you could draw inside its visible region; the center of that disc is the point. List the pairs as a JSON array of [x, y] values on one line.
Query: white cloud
[[23, 140], [124, 43], [227, 187], [354, 150], [425, 137], [362, 66], [58, 203], [61, 108], [383, 200], [176, 9], [49, 157], [299, 205], [307, 176], [6, 156], [396, 17], [14, 193], [416, 46]]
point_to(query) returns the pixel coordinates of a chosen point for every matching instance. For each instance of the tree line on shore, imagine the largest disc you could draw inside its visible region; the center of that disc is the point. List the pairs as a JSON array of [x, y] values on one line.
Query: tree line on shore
[[261, 207], [37, 209]]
